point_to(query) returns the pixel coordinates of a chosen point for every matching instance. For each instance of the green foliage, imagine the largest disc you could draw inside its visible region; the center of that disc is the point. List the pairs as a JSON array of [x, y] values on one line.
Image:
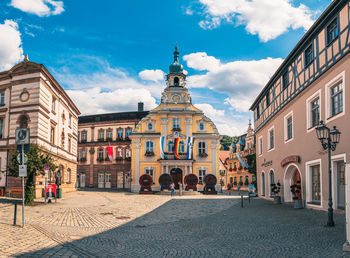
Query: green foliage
[[225, 142], [246, 182], [37, 160], [251, 160]]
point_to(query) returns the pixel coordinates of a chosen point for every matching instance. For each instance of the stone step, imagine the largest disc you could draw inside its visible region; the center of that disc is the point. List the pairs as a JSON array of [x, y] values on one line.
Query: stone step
[[177, 192]]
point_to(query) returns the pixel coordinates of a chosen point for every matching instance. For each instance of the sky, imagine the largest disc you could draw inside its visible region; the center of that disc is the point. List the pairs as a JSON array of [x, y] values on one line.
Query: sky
[[110, 54]]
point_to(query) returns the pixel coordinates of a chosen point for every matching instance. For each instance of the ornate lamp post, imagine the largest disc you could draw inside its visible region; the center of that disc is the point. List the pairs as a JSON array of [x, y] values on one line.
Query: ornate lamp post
[[329, 140]]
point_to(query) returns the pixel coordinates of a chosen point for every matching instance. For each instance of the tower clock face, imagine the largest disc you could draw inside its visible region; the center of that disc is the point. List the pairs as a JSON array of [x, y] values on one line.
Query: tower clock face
[[176, 98]]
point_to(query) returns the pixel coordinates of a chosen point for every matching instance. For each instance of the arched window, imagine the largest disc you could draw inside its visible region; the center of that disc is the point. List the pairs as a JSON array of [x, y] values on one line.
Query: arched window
[[272, 181], [170, 146], [176, 81], [23, 121], [149, 146], [231, 180], [263, 184], [182, 146]]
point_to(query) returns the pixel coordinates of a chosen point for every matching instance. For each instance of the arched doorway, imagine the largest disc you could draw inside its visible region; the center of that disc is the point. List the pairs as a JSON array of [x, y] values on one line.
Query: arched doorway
[[176, 174], [292, 176]]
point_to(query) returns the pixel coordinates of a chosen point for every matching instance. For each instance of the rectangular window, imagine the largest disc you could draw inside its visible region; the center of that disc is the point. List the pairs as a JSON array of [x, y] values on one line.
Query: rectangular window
[[285, 80], [83, 154], [201, 175], [267, 99], [127, 132], [260, 146], [332, 31], [201, 148], [257, 112], [120, 133], [70, 120], [53, 106], [149, 146], [176, 123], [289, 127], [271, 139], [309, 55], [315, 112], [149, 171], [100, 154], [109, 134], [52, 135], [336, 99], [2, 98], [101, 135], [69, 144], [315, 184], [1, 128], [83, 136]]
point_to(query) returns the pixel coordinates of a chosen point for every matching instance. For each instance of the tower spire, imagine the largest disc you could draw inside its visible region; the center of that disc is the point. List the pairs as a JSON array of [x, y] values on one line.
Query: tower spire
[[176, 54], [176, 67]]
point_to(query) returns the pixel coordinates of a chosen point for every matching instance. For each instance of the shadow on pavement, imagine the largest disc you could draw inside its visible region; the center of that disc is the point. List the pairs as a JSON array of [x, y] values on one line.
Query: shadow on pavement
[[260, 229]]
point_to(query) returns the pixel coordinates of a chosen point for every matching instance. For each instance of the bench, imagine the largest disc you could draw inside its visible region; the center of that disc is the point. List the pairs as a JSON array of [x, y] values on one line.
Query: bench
[[16, 192]]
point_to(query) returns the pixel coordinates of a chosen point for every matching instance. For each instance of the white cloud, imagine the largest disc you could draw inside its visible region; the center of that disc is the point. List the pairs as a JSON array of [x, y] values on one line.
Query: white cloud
[[11, 51], [240, 80], [39, 7], [152, 75], [95, 101], [265, 18], [226, 123]]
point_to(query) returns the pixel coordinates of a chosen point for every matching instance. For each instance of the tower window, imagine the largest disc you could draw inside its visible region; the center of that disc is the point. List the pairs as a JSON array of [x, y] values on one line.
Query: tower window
[[176, 81]]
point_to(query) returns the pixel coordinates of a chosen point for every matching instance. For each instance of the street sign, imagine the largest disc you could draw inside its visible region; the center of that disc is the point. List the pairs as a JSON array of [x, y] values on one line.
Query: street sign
[[19, 158], [46, 168], [26, 148], [22, 136], [23, 170]]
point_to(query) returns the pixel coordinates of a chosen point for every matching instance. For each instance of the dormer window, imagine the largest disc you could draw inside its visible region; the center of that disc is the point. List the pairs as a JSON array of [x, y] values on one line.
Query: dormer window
[[176, 81], [201, 126], [150, 126]]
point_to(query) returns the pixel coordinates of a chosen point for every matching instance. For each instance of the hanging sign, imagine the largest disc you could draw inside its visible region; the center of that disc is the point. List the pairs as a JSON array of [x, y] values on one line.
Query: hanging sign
[[289, 159], [22, 170]]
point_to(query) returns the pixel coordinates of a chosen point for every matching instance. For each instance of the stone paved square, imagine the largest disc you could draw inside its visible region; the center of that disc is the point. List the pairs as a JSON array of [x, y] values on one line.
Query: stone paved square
[[110, 224]]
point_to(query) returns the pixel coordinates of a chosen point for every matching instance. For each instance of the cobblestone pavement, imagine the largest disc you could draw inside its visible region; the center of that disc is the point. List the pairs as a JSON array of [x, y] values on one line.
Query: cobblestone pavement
[[93, 224]]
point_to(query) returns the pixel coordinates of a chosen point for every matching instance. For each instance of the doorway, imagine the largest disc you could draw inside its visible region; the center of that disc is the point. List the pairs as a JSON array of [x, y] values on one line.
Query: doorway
[[101, 180], [176, 174], [108, 180], [82, 180], [292, 176], [339, 165]]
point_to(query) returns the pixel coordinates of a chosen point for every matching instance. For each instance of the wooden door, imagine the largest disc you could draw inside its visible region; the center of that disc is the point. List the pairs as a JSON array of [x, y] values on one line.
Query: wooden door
[[108, 180], [82, 180], [101, 180], [297, 181]]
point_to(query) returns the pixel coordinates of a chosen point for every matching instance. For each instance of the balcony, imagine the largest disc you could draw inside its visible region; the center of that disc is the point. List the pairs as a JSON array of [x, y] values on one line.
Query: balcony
[[171, 156]]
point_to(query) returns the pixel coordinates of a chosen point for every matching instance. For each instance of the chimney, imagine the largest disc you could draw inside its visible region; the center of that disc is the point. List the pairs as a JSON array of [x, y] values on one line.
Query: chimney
[[140, 107]]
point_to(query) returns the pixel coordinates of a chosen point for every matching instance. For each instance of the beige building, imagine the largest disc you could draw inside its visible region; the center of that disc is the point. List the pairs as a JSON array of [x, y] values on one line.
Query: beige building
[[241, 157], [310, 86], [97, 133], [175, 139], [31, 97]]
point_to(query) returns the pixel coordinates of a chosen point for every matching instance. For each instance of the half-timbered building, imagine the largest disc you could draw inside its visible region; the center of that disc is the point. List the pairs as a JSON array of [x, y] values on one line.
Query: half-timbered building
[[309, 86]]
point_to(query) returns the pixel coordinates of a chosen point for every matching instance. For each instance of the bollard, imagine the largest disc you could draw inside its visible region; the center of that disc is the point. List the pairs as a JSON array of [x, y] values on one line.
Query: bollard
[[15, 215], [241, 201], [249, 197]]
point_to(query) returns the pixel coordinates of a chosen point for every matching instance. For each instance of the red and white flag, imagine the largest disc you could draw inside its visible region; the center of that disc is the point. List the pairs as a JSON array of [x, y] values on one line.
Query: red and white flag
[[110, 153]]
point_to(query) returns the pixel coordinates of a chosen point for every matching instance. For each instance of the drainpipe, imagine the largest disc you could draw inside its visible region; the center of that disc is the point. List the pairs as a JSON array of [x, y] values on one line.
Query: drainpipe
[[346, 245]]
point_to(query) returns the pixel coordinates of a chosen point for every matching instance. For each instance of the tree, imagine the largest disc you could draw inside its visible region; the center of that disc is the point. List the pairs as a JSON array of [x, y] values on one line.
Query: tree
[[251, 160], [37, 160], [226, 142]]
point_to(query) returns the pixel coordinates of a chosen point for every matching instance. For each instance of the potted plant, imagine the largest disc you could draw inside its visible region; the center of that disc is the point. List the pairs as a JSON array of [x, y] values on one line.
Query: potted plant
[[203, 155], [240, 183], [296, 191], [99, 159], [276, 189], [119, 158]]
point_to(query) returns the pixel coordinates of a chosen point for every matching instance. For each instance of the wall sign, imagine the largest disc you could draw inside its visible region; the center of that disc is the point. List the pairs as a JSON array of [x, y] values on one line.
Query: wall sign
[[267, 163], [289, 159]]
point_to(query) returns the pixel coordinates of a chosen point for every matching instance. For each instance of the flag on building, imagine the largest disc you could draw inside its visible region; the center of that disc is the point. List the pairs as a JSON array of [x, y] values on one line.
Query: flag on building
[[162, 146], [189, 147], [176, 148], [242, 162], [110, 153]]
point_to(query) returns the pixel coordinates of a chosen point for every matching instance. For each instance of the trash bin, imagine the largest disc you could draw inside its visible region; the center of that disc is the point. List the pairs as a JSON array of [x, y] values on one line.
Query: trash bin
[[59, 193]]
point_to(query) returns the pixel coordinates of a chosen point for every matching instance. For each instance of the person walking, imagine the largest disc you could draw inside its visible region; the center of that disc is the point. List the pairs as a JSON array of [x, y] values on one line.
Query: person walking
[[239, 187], [229, 188], [172, 187]]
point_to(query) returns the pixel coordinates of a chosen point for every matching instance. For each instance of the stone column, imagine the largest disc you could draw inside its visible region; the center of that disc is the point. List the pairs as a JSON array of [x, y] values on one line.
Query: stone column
[[167, 169], [186, 170], [164, 122], [213, 156]]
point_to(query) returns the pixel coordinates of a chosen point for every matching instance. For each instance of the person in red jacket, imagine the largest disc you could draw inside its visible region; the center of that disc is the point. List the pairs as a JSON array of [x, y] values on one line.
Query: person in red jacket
[[229, 188]]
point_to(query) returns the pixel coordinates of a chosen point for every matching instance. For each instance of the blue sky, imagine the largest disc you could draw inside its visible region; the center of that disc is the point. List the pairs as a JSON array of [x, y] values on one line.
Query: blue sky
[[110, 54]]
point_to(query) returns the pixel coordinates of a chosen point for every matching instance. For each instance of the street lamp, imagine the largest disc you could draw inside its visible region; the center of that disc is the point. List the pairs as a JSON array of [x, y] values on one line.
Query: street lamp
[[329, 140]]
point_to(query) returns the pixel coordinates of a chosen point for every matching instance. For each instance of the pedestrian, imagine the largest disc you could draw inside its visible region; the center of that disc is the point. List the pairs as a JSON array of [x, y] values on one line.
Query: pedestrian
[[172, 187], [229, 188], [239, 187]]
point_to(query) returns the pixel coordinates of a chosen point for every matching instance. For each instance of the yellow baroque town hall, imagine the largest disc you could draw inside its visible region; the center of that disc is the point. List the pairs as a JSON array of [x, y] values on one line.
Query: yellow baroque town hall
[[175, 139]]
